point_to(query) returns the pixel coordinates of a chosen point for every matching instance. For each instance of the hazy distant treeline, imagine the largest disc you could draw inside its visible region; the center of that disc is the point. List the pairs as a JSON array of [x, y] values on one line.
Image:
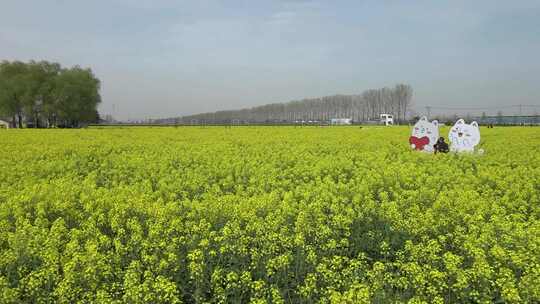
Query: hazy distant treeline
[[44, 94], [363, 107]]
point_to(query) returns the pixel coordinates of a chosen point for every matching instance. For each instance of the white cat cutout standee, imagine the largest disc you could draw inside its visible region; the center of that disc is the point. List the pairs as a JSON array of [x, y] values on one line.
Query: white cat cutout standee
[[424, 135], [464, 137]]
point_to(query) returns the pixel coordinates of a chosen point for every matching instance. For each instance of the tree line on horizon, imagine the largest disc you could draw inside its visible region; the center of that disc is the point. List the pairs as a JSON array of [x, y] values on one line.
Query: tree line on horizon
[[360, 108], [44, 94]]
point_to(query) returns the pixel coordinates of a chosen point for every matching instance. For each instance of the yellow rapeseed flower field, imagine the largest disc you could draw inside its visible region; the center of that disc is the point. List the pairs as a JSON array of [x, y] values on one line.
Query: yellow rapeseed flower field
[[267, 215]]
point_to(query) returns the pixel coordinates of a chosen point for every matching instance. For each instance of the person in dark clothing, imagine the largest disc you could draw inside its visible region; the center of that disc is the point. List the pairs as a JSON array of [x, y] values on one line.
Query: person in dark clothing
[[441, 146]]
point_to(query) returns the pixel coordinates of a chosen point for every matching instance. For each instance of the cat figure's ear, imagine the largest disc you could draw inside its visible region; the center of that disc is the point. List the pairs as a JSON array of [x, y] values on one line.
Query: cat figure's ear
[[474, 124], [460, 122], [435, 123], [423, 118]]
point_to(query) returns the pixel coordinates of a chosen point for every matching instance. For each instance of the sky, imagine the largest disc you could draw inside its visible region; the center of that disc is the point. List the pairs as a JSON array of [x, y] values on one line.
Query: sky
[[158, 58]]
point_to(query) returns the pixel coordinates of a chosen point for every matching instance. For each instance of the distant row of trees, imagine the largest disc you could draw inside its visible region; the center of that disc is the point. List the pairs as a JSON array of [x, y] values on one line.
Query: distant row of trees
[[484, 119], [363, 107], [44, 94]]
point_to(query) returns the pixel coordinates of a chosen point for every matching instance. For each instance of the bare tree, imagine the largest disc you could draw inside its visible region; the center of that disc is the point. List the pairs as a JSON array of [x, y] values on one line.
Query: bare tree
[[363, 107], [404, 96]]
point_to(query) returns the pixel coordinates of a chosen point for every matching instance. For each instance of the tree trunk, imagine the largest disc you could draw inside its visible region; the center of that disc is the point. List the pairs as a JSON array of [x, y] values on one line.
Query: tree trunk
[[20, 121]]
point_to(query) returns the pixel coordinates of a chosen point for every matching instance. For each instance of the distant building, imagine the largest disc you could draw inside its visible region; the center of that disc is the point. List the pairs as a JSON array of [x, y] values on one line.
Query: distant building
[[4, 124], [387, 119], [341, 121]]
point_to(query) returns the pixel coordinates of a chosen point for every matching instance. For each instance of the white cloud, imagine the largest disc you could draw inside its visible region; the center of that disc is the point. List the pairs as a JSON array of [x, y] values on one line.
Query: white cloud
[[282, 18]]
